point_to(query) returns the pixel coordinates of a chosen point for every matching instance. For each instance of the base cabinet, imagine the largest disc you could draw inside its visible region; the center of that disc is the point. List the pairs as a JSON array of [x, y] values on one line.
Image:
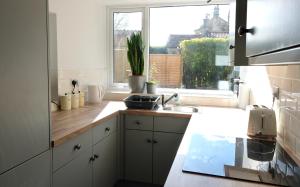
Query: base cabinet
[[164, 152], [104, 165], [149, 154], [77, 173], [138, 156], [95, 161], [34, 173]]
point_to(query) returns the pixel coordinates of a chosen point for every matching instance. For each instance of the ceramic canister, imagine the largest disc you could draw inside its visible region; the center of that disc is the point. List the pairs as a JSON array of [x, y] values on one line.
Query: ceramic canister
[[81, 99], [75, 101], [95, 93], [65, 102]]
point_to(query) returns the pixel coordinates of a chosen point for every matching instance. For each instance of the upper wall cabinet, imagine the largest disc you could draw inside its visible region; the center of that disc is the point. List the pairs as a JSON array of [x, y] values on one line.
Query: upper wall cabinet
[[237, 43], [272, 32]]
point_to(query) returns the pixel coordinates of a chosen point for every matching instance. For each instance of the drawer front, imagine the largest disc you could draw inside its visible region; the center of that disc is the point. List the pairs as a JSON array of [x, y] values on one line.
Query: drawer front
[[71, 149], [104, 129], [77, 173], [170, 124], [139, 122]]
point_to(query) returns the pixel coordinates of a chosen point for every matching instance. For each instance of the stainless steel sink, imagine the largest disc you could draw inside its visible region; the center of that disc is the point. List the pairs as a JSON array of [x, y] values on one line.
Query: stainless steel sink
[[184, 109]]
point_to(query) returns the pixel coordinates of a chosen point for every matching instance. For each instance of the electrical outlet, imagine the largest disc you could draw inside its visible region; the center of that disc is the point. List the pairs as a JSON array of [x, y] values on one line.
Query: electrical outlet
[[275, 92]]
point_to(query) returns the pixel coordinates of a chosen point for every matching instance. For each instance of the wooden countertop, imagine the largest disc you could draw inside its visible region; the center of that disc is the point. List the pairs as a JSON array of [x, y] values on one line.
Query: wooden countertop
[[68, 124], [218, 121]]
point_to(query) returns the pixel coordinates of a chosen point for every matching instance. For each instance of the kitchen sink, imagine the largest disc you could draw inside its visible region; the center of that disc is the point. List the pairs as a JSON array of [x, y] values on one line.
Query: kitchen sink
[[184, 109]]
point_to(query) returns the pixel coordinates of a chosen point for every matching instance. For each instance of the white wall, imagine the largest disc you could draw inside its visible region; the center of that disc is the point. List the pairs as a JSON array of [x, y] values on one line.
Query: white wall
[[81, 45]]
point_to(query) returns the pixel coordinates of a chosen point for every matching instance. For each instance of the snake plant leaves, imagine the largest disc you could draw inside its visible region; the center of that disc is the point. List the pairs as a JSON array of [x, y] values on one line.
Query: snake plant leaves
[[135, 53]]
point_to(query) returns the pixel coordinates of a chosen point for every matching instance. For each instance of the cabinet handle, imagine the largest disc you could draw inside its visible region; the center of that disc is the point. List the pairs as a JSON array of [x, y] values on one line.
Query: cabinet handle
[[154, 142], [243, 30], [137, 122], [149, 141], [92, 159], [231, 47], [77, 147], [107, 129]]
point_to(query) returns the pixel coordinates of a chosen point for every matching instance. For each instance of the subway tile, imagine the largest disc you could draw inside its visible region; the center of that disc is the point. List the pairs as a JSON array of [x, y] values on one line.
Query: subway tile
[[296, 86], [293, 71], [298, 147], [290, 140], [285, 84], [282, 99], [295, 126], [284, 120]]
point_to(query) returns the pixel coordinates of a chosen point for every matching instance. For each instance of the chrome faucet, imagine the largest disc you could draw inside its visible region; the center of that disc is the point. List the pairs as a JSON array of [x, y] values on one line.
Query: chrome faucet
[[164, 102]]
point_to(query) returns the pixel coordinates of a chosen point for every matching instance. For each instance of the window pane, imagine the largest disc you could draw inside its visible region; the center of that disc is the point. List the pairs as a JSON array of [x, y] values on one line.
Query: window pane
[[189, 47], [124, 25]]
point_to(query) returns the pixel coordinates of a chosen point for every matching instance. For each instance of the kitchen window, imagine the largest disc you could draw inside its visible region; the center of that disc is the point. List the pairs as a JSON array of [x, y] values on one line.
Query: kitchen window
[[186, 46]]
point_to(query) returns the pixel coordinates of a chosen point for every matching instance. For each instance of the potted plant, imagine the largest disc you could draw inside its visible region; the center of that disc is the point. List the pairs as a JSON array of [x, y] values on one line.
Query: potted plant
[[151, 87], [135, 56]]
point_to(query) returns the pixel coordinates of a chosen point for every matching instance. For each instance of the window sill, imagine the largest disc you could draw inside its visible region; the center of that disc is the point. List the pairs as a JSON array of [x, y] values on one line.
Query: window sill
[[219, 98]]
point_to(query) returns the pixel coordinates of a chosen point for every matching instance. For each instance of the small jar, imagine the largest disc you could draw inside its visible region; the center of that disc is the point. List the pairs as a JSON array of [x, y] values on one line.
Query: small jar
[[65, 102], [75, 101], [81, 99]]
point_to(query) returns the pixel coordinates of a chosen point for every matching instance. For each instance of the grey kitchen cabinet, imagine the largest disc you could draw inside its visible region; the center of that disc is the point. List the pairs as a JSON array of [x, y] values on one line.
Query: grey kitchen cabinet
[[89, 159], [237, 44], [149, 154], [66, 152], [104, 130], [77, 173], [164, 151], [170, 124], [24, 101], [33, 173], [139, 122], [138, 156], [272, 32], [105, 164]]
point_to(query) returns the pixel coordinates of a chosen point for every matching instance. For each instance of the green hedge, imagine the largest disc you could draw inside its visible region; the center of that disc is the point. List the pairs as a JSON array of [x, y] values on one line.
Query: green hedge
[[199, 69]]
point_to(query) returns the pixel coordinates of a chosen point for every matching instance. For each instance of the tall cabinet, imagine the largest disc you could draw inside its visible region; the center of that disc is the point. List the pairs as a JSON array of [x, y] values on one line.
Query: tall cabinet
[[24, 112]]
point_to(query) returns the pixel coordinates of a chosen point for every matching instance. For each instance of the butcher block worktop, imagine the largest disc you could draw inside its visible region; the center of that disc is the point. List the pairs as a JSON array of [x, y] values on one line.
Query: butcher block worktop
[[68, 124]]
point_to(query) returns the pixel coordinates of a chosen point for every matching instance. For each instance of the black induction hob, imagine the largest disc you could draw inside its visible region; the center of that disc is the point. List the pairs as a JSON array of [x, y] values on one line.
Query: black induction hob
[[244, 159]]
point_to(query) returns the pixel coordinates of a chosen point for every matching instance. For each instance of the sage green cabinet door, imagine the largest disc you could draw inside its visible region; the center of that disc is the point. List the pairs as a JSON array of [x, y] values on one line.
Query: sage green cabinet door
[[77, 173], [138, 156], [24, 101], [164, 151], [170, 124], [33, 173], [105, 164]]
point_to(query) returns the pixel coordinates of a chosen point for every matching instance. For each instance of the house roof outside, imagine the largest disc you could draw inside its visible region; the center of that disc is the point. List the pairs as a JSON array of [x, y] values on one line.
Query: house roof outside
[[175, 39], [212, 27]]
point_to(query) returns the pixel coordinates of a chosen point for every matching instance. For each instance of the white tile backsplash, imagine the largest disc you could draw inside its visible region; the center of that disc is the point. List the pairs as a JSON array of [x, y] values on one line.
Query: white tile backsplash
[[287, 78]]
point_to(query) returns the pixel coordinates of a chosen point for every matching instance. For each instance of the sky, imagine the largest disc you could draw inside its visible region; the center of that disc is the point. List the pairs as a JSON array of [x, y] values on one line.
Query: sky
[[171, 20]]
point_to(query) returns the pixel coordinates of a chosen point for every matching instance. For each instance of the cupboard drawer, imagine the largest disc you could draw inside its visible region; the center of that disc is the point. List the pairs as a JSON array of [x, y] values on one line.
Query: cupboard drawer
[[139, 122], [71, 149], [170, 124], [77, 173], [104, 129]]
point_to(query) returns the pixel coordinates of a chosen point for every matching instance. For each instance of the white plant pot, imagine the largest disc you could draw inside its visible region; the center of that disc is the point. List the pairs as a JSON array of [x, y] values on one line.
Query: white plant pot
[[151, 88], [137, 83]]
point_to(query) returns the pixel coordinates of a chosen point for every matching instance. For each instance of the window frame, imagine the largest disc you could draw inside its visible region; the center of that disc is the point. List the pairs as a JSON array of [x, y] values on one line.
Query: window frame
[[145, 34], [145, 9]]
